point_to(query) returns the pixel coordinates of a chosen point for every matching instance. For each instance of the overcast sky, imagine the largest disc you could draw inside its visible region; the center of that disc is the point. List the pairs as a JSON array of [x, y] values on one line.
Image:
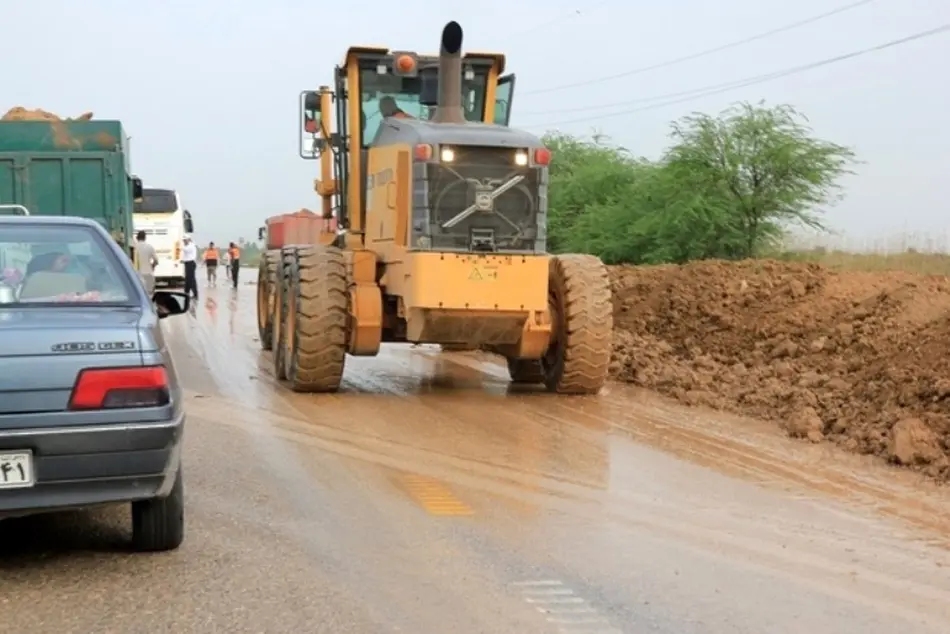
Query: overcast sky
[[208, 89]]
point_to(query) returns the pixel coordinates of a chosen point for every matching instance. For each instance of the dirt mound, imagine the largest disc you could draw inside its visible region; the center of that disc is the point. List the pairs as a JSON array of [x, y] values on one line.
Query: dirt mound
[[862, 359], [19, 113]]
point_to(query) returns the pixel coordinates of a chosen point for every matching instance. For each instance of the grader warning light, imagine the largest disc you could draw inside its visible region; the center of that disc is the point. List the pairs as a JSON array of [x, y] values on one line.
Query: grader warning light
[[442, 237]]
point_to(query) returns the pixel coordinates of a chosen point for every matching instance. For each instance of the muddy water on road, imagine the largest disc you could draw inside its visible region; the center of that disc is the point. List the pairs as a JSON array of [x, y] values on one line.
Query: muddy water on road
[[601, 488]]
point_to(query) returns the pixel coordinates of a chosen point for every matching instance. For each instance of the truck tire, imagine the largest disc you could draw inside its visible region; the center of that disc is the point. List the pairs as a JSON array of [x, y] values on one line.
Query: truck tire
[[266, 283], [159, 524], [579, 296], [526, 371], [317, 319], [278, 318]]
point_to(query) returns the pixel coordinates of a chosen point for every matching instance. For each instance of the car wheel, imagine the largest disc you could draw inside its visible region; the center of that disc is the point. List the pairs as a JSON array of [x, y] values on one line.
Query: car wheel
[[159, 524]]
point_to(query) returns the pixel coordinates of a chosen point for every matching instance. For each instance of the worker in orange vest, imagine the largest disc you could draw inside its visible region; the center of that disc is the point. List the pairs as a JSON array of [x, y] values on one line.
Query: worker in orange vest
[[210, 258], [234, 253]]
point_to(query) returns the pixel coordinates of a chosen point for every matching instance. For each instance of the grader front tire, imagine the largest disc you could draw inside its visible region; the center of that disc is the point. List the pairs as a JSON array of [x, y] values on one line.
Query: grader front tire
[[266, 289], [317, 319], [579, 295]]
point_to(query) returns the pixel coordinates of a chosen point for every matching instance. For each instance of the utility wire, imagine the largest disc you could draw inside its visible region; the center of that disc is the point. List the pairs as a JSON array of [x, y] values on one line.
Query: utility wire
[[552, 22], [690, 95], [709, 51]]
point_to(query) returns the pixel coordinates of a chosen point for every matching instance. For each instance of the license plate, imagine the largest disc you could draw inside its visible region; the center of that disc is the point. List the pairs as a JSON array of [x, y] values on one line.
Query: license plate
[[16, 470]]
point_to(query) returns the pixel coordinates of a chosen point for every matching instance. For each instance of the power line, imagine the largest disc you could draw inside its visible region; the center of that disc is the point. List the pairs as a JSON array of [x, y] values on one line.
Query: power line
[[544, 25], [757, 79], [709, 51]]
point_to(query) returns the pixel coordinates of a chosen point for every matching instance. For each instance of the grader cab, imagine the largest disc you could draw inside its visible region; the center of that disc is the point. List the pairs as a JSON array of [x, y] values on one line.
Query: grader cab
[[442, 208]]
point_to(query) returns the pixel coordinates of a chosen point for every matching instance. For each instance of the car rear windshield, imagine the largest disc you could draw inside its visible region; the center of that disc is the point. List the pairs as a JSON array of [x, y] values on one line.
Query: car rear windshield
[[157, 201], [43, 264]]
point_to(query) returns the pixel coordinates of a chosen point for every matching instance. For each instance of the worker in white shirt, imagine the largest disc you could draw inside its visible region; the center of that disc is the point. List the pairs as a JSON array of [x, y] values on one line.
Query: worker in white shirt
[[189, 257]]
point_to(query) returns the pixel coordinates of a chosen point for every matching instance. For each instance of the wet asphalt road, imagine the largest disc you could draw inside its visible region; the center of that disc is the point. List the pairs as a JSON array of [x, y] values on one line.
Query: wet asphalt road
[[429, 497]]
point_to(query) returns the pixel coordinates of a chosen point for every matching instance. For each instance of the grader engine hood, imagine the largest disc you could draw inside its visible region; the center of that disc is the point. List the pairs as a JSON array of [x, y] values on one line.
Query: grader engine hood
[[476, 187]]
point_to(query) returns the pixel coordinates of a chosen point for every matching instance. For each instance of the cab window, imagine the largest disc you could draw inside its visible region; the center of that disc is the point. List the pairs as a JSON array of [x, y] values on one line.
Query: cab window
[[385, 95], [503, 95]]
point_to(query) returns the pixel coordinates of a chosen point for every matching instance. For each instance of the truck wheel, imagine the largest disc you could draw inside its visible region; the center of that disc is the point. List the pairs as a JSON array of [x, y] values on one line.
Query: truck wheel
[[266, 281], [159, 524], [526, 371], [278, 319], [579, 297], [317, 320]]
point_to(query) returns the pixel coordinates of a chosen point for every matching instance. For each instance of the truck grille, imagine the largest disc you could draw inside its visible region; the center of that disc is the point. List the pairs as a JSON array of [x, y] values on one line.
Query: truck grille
[[511, 223]]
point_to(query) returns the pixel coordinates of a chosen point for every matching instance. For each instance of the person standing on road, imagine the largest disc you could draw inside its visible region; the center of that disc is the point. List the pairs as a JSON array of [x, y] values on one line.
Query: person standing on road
[[234, 253], [145, 262], [189, 257], [226, 263], [210, 258]]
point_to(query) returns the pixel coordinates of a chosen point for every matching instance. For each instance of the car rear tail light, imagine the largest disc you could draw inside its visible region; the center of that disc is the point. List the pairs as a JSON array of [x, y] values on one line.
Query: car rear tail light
[[116, 388]]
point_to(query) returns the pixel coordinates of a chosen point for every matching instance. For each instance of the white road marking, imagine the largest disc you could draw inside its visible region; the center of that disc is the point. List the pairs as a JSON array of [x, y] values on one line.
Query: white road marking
[[563, 608]]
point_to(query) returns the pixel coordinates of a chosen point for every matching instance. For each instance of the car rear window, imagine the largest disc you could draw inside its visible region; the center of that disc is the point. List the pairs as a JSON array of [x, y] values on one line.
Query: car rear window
[[43, 264]]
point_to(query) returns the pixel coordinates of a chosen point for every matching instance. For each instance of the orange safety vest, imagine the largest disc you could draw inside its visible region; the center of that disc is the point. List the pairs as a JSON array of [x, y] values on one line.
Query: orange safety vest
[[210, 254], [235, 253]]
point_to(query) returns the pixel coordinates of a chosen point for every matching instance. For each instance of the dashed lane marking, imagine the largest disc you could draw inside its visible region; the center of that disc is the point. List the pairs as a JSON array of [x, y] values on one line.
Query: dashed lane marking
[[434, 496], [563, 608]]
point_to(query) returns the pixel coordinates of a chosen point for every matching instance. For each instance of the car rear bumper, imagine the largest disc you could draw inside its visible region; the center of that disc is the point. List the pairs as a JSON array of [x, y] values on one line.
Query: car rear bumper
[[96, 464]]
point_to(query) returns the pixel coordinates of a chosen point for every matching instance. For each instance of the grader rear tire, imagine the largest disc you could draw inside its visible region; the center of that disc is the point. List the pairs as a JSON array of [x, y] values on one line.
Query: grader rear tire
[[579, 297], [279, 309], [266, 283], [317, 319]]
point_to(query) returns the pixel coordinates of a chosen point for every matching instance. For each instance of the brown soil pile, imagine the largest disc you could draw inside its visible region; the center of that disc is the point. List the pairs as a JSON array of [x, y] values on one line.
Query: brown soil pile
[[862, 359], [19, 113]]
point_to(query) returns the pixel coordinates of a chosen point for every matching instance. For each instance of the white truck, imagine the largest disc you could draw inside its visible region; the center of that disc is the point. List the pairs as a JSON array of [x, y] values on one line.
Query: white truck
[[160, 215]]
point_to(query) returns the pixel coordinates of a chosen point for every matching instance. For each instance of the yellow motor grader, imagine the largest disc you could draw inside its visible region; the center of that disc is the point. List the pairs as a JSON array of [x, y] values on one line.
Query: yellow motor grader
[[441, 208]]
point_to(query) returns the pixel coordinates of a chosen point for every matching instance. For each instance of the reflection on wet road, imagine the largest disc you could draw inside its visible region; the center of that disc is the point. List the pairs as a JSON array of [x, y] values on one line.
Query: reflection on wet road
[[429, 496]]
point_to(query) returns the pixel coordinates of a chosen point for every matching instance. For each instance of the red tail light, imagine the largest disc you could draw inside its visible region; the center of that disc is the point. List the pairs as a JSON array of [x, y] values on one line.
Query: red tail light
[[542, 156], [112, 388]]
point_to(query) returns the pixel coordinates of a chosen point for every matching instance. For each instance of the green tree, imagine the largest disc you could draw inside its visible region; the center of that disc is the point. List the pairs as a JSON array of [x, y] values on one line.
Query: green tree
[[765, 163], [727, 188]]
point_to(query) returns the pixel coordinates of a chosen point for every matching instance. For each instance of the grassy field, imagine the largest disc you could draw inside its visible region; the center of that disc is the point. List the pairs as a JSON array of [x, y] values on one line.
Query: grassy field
[[912, 261]]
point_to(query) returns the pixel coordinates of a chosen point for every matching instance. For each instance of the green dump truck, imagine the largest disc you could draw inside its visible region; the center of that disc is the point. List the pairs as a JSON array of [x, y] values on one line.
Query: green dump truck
[[69, 168]]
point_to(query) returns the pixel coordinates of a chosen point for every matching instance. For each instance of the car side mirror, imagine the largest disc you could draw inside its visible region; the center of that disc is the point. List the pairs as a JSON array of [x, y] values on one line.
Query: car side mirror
[[189, 225], [168, 303], [260, 233]]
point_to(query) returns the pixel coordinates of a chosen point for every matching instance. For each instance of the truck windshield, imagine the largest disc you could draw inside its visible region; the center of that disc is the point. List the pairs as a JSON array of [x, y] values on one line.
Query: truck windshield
[[382, 95], [157, 201]]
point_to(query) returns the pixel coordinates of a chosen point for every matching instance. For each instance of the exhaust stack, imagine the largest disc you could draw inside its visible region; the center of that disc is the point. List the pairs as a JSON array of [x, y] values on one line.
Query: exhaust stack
[[449, 105]]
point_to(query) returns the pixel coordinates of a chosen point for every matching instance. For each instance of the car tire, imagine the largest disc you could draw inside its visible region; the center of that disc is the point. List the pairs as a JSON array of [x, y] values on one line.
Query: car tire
[[159, 524]]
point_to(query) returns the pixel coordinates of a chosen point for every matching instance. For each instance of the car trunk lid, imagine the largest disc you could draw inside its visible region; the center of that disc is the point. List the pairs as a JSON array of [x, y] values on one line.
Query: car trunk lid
[[42, 351]]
